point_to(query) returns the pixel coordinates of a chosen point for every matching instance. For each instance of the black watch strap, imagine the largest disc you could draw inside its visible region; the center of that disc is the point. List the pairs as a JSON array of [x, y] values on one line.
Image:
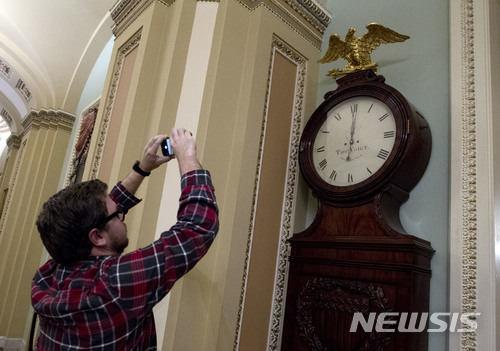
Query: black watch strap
[[139, 170]]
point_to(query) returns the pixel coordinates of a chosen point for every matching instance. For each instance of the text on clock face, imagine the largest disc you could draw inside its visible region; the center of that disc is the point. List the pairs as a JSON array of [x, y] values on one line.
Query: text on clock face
[[355, 140]]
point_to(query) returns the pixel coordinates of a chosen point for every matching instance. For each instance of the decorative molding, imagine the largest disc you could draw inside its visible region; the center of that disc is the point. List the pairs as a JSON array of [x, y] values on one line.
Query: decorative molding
[[14, 141], [5, 69], [110, 100], [23, 89], [310, 10], [278, 46], [278, 307], [13, 182], [49, 119], [16, 81], [291, 19], [332, 297], [300, 15], [469, 171], [125, 12]]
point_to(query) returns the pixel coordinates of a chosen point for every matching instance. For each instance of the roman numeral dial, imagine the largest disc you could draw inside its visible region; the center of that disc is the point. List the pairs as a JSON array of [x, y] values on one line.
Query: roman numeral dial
[[355, 140]]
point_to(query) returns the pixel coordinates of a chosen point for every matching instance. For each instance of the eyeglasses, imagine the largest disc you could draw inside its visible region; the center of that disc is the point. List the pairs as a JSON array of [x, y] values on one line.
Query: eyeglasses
[[118, 213]]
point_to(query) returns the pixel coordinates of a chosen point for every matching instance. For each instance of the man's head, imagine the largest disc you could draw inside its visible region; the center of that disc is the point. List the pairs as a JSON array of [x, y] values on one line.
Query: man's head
[[71, 220]]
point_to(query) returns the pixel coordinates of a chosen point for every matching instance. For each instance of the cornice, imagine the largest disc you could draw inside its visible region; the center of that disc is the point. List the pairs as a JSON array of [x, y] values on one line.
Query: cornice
[[125, 12], [48, 118], [312, 12], [14, 141]]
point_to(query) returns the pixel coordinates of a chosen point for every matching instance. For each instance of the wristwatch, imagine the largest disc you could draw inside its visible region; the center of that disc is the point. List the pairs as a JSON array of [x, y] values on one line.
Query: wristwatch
[[139, 170]]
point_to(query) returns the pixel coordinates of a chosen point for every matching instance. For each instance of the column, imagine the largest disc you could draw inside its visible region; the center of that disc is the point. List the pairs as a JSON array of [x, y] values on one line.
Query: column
[[33, 171]]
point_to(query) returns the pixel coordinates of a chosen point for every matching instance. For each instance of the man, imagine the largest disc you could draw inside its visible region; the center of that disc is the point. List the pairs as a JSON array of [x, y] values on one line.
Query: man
[[89, 296]]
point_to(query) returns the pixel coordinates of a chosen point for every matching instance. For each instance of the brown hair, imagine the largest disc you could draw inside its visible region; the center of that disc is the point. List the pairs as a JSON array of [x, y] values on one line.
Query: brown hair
[[68, 216]]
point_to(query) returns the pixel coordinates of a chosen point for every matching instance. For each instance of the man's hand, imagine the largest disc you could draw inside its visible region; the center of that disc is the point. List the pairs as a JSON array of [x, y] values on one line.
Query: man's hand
[[150, 159], [184, 147]]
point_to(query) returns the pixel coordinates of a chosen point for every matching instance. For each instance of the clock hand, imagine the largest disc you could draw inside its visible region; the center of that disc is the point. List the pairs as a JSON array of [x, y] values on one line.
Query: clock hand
[[354, 111]]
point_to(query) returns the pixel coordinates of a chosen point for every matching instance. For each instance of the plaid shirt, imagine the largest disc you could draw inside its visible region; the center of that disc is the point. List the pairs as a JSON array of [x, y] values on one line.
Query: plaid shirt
[[106, 303]]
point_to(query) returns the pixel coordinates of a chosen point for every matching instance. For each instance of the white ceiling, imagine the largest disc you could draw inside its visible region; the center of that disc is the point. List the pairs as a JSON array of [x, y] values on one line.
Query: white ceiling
[[51, 46]]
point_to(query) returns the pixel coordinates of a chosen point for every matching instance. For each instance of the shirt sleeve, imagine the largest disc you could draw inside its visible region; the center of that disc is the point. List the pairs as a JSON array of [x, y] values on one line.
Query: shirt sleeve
[[142, 278], [123, 198]]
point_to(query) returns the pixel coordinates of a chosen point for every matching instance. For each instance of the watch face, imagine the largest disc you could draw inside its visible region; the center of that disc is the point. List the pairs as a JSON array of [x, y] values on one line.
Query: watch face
[[354, 142]]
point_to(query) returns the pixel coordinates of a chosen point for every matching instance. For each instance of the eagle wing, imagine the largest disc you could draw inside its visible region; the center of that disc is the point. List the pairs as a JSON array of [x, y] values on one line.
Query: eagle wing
[[378, 34], [336, 48]]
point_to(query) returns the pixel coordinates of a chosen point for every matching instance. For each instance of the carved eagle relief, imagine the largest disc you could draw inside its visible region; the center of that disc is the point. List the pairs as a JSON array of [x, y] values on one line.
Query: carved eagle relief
[[356, 50]]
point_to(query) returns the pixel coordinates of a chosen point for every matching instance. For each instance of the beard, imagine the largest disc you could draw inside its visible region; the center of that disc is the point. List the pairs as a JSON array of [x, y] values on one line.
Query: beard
[[119, 243]]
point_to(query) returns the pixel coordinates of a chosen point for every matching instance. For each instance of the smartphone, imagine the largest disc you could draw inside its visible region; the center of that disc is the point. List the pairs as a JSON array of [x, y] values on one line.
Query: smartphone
[[166, 149]]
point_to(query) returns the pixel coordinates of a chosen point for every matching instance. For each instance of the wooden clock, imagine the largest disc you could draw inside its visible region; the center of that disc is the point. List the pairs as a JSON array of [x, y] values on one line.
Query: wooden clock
[[362, 151]]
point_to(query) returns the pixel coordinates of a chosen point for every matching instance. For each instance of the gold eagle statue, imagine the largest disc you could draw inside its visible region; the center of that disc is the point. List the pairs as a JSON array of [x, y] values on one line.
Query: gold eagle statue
[[356, 50]]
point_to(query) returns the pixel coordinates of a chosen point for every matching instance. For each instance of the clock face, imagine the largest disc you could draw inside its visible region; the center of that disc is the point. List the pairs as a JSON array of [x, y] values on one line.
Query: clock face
[[354, 141]]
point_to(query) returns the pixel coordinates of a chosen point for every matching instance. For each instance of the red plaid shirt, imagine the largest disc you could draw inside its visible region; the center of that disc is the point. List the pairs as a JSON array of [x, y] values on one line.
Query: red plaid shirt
[[106, 303]]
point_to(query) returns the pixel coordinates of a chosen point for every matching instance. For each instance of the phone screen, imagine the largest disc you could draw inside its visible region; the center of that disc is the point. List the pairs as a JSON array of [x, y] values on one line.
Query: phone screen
[[166, 149]]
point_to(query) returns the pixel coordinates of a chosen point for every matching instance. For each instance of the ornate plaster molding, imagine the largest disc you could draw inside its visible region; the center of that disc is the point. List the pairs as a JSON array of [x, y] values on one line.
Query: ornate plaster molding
[[469, 171], [48, 118], [309, 18], [102, 132], [13, 183], [312, 11], [13, 142], [18, 83], [278, 306], [308, 23], [125, 12]]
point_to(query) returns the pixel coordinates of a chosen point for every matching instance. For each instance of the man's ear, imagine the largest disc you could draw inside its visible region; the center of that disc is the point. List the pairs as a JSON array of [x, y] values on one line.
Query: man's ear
[[97, 238]]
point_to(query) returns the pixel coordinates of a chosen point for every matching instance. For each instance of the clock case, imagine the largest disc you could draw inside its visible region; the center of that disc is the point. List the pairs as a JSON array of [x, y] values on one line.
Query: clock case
[[355, 256]]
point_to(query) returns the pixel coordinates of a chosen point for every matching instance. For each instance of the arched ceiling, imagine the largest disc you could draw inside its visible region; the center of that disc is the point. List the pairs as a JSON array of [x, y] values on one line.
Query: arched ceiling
[[47, 50]]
